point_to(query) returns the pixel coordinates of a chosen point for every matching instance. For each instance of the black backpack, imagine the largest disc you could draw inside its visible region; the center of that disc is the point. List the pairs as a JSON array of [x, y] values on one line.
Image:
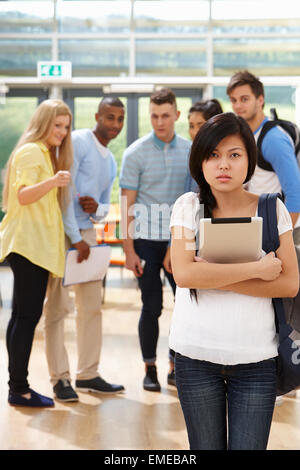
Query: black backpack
[[289, 127], [287, 311]]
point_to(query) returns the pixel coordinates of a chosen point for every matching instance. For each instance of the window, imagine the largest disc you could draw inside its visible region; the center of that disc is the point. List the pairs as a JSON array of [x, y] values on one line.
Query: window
[[263, 56], [96, 57], [20, 56], [26, 17], [164, 16], [94, 17], [170, 57]]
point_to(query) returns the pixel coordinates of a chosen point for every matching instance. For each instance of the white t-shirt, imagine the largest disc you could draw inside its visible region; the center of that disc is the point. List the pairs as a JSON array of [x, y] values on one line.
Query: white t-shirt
[[222, 327]]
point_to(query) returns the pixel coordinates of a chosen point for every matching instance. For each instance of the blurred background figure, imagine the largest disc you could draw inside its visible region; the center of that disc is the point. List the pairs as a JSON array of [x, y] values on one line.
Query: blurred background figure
[[32, 233], [198, 114], [153, 174], [93, 174]]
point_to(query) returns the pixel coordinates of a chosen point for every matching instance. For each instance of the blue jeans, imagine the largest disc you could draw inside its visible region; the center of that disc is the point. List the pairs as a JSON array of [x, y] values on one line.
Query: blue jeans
[[208, 393], [153, 252]]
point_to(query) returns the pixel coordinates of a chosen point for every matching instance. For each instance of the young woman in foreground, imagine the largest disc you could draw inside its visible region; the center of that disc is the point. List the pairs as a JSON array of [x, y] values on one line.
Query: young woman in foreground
[[32, 233], [223, 326]]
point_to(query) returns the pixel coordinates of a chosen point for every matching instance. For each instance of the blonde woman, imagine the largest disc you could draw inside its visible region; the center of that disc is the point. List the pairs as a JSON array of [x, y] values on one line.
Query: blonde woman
[[32, 232]]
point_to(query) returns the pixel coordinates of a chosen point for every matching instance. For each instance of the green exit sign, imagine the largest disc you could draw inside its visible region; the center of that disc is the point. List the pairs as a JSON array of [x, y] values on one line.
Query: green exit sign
[[54, 71]]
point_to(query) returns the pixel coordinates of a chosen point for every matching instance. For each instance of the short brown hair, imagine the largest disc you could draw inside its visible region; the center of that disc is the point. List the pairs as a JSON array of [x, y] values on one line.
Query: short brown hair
[[246, 78], [162, 96]]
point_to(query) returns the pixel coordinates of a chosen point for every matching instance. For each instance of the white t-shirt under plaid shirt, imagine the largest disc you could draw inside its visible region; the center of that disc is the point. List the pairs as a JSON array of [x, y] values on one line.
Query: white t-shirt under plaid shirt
[[222, 327]]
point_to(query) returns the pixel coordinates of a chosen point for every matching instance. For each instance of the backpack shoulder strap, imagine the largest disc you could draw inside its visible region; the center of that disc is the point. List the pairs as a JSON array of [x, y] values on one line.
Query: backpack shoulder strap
[[287, 126], [265, 128], [261, 162], [267, 210]]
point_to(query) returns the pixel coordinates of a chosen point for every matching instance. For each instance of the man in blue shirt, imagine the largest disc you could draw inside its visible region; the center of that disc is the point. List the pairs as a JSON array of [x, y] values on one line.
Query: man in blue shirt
[[153, 174], [246, 93], [93, 173]]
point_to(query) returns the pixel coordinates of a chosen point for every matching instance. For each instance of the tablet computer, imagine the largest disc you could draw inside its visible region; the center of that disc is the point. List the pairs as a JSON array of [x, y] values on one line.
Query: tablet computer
[[230, 240]]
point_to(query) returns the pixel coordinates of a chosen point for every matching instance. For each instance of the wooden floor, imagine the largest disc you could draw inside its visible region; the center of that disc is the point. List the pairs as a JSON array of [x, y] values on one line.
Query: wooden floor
[[132, 421]]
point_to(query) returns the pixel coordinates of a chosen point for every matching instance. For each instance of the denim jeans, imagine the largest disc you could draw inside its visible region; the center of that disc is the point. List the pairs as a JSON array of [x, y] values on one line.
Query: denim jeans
[[153, 252], [30, 283], [210, 393]]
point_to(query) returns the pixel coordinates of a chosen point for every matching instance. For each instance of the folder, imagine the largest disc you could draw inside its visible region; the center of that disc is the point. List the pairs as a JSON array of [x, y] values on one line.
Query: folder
[[92, 269]]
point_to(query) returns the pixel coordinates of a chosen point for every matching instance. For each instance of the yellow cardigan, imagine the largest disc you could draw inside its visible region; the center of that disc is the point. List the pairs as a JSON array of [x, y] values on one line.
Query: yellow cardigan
[[35, 230]]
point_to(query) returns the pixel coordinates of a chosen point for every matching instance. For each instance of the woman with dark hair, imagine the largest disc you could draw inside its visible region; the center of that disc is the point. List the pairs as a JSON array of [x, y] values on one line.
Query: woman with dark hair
[[198, 114], [223, 327]]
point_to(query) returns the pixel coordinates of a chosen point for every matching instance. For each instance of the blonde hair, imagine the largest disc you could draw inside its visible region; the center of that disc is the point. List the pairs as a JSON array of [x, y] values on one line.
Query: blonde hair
[[39, 129]]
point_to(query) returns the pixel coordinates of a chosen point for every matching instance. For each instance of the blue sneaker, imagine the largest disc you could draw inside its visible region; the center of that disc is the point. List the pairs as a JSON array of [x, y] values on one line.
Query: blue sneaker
[[36, 400]]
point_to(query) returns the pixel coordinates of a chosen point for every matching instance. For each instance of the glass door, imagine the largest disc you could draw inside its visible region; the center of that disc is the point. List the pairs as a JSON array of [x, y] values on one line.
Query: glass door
[[16, 109]]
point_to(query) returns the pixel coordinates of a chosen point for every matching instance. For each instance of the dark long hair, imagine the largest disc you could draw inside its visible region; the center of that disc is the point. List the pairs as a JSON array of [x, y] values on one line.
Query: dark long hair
[[208, 108], [207, 139]]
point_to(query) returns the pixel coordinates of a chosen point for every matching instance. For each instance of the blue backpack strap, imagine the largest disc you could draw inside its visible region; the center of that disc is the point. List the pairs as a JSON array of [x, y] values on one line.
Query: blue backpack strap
[[267, 210]]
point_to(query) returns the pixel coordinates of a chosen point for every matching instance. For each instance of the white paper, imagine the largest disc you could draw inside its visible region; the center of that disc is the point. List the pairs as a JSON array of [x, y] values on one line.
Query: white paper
[[92, 269]]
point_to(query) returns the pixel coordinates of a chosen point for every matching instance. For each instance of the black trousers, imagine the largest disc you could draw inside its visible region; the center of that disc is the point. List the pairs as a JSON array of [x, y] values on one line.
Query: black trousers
[[30, 283], [153, 252]]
